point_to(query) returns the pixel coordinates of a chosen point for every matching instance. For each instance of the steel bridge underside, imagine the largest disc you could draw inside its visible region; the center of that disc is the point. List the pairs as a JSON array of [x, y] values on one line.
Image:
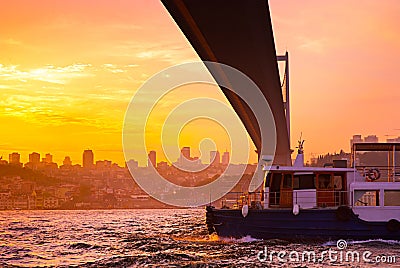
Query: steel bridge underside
[[238, 33]]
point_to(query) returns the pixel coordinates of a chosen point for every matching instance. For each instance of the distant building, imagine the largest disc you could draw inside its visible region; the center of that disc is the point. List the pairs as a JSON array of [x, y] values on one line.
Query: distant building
[[225, 158], [393, 140], [214, 158], [6, 201], [34, 161], [152, 159], [185, 152], [371, 138], [50, 202], [132, 164], [48, 159], [34, 158], [67, 161], [359, 139], [162, 165], [88, 159], [184, 158], [14, 159], [355, 139], [103, 164]]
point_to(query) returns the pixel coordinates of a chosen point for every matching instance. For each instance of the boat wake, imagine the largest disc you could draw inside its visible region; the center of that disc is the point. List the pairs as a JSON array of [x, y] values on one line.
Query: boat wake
[[214, 238], [368, 241], [246, 239]]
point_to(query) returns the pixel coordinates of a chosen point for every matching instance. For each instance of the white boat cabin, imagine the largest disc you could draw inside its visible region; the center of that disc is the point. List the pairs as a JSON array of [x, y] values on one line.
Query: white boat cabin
[[372, 192]]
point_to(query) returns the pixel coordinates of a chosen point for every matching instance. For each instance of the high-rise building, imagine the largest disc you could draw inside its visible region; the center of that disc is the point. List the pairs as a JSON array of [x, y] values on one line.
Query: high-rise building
[[88, 159], [152, 159], [393, 139], [355, 139], [359, 139], [34, 158], [185, 152], [371, 138], [225, 158], [132, 164], [49, 158], [67, 161], [34, 161], [14, 159], [214, 158]]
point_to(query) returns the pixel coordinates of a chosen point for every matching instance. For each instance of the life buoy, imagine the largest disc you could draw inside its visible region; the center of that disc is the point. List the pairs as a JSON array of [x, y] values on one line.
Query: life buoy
[[372, 174], [393, 225], [343, 213]]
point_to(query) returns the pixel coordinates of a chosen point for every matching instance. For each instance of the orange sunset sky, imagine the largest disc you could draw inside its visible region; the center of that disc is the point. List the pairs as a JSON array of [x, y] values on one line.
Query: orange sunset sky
[[68, 70]]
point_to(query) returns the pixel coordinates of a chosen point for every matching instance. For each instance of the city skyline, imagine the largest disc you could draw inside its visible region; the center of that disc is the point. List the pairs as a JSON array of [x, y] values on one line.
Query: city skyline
[[64, 86], [88, 160], [219, 158]]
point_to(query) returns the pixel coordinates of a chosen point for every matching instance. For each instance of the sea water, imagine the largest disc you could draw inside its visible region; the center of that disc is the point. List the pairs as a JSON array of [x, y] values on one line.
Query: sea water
[[161, 237]]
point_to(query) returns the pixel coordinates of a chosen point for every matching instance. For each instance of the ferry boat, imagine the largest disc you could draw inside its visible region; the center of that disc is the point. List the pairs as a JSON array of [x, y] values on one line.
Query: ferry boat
[[332, 202]]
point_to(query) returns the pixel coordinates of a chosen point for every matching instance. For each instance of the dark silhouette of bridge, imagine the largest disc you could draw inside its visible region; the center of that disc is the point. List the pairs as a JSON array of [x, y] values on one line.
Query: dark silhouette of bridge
[[239, 33]]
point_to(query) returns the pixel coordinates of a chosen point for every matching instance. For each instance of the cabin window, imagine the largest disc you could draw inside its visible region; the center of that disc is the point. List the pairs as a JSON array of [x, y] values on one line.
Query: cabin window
[[287, 181], [324, 181], [392, 197], [276, 182], [304, 181], [366, 198], [338, 180], [275, 188]]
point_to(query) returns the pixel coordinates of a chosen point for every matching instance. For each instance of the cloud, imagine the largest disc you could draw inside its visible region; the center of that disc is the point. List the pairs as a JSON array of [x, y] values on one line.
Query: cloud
[[172, 54], [113, 68], [315, 45], [48, 73]]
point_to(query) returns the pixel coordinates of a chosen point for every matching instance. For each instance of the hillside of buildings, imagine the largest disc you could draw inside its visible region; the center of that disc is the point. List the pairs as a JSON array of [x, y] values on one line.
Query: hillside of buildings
[[94, 185]]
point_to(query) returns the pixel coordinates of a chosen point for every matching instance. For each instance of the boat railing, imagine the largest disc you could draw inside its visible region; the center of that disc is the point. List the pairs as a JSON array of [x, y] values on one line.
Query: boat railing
[[239, 199], [389, 172], [309, 198], [386, 173]]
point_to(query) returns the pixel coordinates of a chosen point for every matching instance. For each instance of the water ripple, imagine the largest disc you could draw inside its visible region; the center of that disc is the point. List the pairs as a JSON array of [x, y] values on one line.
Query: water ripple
[[136, 238]]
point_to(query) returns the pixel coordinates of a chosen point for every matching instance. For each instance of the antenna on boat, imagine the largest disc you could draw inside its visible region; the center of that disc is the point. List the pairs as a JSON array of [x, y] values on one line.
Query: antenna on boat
[[300, 147], [299, 161]]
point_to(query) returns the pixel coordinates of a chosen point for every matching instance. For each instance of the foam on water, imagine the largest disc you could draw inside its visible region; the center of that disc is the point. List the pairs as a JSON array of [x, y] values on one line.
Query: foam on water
[[355, 242], [245, 239]]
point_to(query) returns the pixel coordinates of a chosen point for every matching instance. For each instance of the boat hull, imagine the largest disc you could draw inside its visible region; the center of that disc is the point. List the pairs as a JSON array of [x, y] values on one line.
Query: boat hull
[[323, 223]]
